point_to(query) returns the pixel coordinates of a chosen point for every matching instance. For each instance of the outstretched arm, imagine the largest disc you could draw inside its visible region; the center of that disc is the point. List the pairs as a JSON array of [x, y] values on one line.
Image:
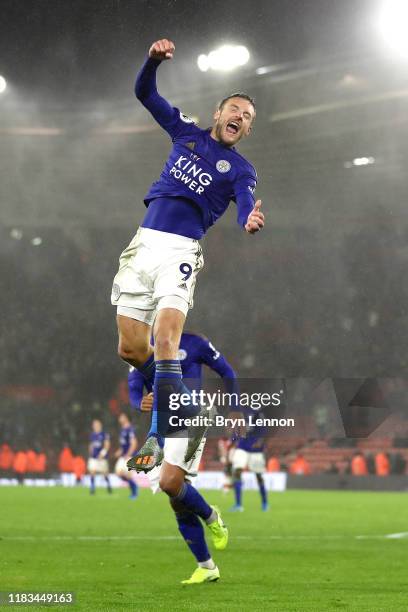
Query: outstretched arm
[[146, 88]]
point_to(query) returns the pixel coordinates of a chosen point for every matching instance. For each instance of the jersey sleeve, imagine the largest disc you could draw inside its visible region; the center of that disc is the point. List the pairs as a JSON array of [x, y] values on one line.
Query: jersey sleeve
[[217, 362], [244, 196], [136, 385], [168, 117]]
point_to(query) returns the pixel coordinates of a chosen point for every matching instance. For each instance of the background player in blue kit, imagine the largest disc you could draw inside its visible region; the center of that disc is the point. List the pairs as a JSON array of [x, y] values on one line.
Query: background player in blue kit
[[127, 448], [99, 444], [249, 454], [194, 352], [157, 271]]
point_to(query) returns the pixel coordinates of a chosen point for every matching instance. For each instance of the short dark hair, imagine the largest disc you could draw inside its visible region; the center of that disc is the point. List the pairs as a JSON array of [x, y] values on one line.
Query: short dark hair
[[237, 94]]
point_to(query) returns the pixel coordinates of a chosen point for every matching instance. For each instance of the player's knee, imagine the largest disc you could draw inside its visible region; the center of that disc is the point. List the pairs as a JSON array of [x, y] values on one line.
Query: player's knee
[[132, 351], [165, 343], [124, 350], [171, 484]]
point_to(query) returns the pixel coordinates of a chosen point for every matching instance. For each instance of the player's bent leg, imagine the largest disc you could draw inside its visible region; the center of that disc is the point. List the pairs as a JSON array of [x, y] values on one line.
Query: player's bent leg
[[134, 341], [134, 489], [168, 328], [120, 471], [167, 331], [172, 482], [192, 531]]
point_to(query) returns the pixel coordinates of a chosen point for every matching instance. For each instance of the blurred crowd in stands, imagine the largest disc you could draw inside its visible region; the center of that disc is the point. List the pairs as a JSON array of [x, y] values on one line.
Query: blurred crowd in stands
[[27, 463], [380, 464], [58, 327], [58, 363]]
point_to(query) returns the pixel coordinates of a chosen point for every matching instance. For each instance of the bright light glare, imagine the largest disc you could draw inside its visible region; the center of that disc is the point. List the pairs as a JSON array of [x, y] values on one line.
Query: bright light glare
[[363, 161], [360, 161], [37, 241], [224, 59], [393, 25], [16, 233], [3, 84], [203, 63]]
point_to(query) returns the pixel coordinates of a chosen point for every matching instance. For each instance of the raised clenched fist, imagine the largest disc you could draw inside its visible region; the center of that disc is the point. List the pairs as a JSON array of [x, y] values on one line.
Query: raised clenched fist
[[162, 49]]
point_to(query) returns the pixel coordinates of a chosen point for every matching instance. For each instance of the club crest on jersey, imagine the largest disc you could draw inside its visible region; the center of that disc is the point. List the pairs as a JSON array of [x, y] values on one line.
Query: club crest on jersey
[[186, 118], [182, 354], [223, 165]]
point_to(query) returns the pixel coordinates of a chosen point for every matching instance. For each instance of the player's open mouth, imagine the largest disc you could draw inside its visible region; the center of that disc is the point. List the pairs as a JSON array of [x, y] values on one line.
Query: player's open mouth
[[232, 127]]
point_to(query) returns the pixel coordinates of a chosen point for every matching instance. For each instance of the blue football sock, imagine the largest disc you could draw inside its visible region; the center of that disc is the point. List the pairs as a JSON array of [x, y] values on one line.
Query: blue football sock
[[194, 501], [92, 483], [168, 381], [133, 487], [238, 492], [192, 531], [262, 490], [108, 484], [148, 370]]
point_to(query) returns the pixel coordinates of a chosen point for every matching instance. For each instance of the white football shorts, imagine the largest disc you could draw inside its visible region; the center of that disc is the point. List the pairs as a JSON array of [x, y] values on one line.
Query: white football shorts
[[120, 465], [254, 462], [157, 270], [98, 466], [174, 453]]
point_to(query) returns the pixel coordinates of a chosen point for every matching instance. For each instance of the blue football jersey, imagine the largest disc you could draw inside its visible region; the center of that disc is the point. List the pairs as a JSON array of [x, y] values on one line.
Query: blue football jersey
[[194, 352], [97, 442], [199, 170], [203, 170], [127, 435], [254, 440]]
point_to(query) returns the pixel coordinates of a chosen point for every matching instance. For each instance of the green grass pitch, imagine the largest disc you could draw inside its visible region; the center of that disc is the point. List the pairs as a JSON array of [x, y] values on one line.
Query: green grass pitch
[[313, 551]]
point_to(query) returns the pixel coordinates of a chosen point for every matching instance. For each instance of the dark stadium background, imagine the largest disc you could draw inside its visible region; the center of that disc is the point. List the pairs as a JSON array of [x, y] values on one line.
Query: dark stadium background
[[322, 292]]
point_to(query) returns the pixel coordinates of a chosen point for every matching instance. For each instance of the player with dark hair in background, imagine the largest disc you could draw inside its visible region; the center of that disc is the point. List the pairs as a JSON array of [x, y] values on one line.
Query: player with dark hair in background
[[157, 271]]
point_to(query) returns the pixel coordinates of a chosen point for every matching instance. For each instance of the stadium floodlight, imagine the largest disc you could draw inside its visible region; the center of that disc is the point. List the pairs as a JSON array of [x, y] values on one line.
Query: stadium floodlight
[[363, 161], [360, 161], [393, 25], [3, 84], [224, 58], [37, 241]]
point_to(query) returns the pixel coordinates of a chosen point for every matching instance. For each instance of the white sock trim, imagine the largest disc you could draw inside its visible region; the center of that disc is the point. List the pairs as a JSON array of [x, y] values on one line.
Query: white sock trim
[[207, 564], [213, 517]]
